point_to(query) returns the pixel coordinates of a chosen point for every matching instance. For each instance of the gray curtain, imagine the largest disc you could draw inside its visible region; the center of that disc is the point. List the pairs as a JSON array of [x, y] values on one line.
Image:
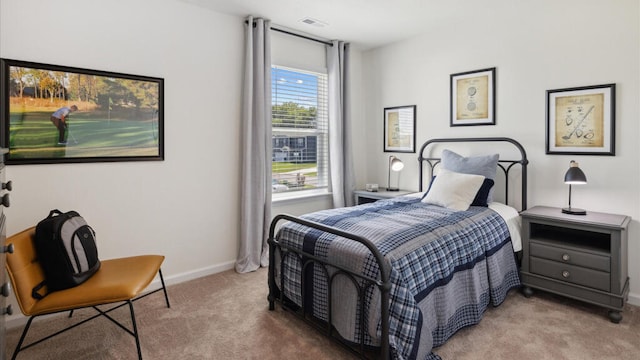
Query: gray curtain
[[340, 136], [255, 202]]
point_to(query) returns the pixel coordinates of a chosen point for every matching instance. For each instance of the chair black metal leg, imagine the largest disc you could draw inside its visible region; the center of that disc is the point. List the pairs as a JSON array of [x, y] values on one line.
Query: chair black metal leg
[[24, 334], [20, 347], [135, 329], [164, 288]]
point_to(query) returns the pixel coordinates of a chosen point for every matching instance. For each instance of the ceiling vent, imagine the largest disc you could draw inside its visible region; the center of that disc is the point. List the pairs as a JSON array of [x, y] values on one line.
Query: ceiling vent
[[314, 22]]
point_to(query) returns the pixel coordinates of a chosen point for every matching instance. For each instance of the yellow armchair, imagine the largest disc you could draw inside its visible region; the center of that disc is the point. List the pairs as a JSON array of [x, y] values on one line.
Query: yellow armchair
[[118, 280]]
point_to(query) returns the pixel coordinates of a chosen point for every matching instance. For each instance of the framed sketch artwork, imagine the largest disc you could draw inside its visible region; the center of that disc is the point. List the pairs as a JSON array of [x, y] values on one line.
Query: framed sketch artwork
[[400, 129], [581, 120], [473, 98]]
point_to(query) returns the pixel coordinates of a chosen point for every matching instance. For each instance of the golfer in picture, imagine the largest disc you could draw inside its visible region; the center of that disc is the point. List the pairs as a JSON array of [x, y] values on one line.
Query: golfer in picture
[[58, 119]]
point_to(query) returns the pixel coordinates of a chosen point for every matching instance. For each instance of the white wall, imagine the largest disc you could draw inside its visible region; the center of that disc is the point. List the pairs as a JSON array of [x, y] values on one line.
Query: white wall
[[535, 46], [184, 207]]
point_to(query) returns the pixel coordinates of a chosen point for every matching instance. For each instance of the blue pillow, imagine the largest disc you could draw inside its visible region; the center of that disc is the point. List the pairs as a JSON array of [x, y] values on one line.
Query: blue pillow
[[485, 165], [481, 196]]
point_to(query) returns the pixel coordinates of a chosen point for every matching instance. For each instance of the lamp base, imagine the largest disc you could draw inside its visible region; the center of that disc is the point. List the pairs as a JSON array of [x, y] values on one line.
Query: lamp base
[[392, 189], [574, 211]]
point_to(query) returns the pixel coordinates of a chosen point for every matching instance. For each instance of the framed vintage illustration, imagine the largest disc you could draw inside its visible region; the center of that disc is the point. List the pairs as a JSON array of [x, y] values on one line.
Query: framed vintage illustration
[[400, 129], [581, 120], [473, 99], [60, 114]]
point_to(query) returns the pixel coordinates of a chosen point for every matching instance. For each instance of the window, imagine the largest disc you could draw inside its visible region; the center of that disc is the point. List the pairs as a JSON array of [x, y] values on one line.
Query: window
[[299, 123]]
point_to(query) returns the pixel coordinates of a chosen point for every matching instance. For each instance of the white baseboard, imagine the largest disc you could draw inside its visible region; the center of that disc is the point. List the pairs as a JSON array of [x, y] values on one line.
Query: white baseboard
[[195, 274], [19, 320]]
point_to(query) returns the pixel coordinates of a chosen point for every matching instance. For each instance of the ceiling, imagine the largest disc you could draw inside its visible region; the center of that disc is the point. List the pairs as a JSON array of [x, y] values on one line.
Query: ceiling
[[365, 24]]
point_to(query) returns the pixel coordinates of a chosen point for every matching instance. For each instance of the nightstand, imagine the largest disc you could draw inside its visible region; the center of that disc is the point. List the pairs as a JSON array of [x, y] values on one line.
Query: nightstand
[[364, 196], [583, 257]]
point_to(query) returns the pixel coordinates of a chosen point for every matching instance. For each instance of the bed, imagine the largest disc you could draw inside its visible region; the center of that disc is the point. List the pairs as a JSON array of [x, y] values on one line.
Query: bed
[[398, 277]]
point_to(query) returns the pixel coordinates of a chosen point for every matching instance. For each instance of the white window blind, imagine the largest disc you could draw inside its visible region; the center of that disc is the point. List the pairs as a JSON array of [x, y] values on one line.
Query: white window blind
[[299, 130]]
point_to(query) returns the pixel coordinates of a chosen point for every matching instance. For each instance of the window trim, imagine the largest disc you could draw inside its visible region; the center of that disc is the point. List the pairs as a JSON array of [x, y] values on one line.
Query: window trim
[[291, 196], [299, 196]]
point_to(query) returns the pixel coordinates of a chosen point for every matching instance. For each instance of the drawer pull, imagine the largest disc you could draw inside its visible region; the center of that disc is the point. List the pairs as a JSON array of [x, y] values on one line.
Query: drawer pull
[[4, 200], [5, 290], [566, 257], [8, 310], [7, 249], [565, 274]]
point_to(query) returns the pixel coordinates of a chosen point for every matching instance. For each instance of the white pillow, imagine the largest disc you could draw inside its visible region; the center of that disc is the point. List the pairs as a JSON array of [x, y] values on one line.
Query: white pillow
[[453, 190]]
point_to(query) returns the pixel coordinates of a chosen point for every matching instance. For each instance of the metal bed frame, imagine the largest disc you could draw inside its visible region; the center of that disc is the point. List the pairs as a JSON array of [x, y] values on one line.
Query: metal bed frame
[[383, 282]]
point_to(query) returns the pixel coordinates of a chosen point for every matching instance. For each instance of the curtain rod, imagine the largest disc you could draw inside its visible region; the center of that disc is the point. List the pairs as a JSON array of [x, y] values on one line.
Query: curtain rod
[[301, 36], [294, 34]]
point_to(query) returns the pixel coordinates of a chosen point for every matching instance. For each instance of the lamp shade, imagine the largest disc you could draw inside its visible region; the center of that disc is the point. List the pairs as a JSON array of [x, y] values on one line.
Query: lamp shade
[[396, 164], [574, 175]]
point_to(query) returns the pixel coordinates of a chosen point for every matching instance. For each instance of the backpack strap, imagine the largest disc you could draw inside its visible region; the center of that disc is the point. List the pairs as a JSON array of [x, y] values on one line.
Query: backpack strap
[[34, 291], [53, 213]]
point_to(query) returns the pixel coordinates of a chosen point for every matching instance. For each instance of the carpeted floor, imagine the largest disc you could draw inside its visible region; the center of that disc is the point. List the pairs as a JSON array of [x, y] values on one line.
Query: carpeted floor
[[226, 316]]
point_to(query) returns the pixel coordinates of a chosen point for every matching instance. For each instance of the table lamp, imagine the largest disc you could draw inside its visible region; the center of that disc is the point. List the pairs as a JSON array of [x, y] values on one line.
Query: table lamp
[[574, 176], [395, 164]]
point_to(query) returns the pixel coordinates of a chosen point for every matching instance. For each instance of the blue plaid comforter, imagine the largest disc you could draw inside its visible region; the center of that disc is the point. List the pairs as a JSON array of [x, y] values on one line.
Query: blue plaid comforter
[[446, 268]]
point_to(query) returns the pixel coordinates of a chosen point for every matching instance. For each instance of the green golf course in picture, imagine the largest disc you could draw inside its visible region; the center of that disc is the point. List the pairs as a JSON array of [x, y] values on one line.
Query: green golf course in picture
[[88, 134], [52, 114]]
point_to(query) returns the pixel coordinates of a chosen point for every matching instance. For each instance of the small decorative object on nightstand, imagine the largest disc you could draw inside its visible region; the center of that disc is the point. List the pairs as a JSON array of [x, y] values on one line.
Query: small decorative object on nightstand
[[372, 187], [581, 257], [364, 197]]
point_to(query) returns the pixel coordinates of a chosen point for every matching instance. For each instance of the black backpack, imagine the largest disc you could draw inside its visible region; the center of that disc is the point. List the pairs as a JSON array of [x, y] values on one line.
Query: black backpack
[[66, 249]]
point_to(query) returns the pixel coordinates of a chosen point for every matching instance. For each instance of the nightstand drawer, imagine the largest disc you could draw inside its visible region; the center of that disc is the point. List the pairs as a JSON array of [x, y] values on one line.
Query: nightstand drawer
[[568, 256], [570, 273]]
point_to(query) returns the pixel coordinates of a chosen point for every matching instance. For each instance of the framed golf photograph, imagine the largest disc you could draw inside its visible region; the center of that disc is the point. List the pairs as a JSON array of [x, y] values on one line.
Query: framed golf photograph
[[473, 98], [400, 129], [59, 114], [581, 120]]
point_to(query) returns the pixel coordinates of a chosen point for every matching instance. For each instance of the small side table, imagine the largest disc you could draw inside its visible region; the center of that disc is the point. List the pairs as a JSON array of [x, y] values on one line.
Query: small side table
[[583, 257], [364, 196]]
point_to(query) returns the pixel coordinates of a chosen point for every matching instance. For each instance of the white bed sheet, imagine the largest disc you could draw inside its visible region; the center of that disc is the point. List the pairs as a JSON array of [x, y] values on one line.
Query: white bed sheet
[[514, 223]]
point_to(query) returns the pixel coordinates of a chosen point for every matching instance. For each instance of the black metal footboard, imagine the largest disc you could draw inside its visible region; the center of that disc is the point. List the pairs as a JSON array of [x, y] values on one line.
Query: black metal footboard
[[382, 283]]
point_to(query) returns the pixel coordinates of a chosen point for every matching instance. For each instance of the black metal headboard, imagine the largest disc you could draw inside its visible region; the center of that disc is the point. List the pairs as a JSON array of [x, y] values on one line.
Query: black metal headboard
[[504, 164]]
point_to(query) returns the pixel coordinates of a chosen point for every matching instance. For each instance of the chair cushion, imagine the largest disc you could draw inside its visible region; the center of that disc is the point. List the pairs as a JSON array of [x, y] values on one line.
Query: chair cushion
[[117, 280]]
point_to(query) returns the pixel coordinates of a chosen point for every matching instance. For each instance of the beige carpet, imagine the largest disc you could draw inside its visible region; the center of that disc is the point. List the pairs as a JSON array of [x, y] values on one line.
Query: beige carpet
[[226, 316]]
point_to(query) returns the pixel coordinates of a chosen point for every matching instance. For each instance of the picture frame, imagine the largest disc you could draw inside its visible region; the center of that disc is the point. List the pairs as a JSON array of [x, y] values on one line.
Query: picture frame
[[581, 120], [61, 114], [400, 129], [473, 98]]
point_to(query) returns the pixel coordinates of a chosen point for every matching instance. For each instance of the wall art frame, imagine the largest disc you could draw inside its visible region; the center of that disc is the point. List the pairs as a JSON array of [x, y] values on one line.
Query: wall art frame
[[581, 120], [473, 98], [400, 129], [119, 117]]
